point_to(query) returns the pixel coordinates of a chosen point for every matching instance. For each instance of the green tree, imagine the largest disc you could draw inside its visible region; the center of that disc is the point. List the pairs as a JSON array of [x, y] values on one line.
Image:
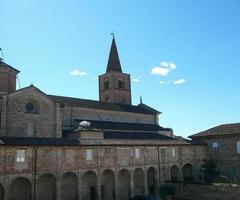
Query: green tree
[[210, 170]]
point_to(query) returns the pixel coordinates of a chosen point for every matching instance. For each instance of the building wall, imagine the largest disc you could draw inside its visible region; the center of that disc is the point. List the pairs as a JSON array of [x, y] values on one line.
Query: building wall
[[52, 163], [226, 155], [44, 121], [70, 113]]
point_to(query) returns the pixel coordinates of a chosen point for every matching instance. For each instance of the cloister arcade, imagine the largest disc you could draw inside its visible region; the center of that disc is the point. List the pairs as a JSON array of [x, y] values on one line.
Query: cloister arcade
[[92, 184]]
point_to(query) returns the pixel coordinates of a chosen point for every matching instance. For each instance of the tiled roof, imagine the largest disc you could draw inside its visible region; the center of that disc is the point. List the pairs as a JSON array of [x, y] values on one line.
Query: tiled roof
[[29, 141], [70, 101], [225, 129], [110, 125], [135, 135]]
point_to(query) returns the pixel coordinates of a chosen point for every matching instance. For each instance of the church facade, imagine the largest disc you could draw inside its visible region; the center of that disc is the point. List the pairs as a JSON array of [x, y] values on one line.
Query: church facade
[[56, 147]]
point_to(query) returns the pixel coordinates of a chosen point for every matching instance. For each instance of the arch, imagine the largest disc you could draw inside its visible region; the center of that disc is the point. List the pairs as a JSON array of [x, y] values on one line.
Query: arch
[[107, 185], [46, 187], [20, 189], [174, 173], [152, 180], [69, 186], [1, 192], [188, 173], [124, 184], [138, 182], [89, 186]]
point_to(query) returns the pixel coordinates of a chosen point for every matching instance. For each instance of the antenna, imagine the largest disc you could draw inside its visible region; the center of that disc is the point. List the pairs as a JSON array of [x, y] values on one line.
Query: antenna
[[2, 57], [141, 100], [19, 85]]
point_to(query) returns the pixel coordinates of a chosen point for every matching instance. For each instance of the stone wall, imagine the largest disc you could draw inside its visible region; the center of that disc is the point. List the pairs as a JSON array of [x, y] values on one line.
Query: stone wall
[[206, 192], [43, 121], [70, 113]]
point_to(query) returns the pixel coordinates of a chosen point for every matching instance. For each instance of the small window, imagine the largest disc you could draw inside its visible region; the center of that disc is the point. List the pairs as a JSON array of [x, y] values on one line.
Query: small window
[[215, 146], [21, 153], [238, 147], [89, 154], [107, 100], [106, 84], [173, 152], [137, 153], [29, 107], [120, 84]]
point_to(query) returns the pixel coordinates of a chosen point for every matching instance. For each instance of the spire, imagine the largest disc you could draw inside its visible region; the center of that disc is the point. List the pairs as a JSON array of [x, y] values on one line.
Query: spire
[[113, 60]]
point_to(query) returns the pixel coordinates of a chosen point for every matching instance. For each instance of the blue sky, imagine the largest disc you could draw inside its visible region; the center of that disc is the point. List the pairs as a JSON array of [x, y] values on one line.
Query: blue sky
[[183, 56]]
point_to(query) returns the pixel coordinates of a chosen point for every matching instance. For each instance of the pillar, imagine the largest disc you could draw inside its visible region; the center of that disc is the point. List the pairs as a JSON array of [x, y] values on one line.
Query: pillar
[[116, 185], [99, 192]]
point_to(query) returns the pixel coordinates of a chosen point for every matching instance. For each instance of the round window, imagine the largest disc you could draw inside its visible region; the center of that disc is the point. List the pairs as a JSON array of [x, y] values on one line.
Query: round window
[[29, 107]]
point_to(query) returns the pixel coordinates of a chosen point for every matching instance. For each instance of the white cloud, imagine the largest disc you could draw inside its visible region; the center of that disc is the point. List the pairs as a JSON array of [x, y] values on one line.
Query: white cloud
[[164, 64], [172, 65], [160, 71], [135, 80], [162, 82], [179, 81], [77, 72], [164, 68]]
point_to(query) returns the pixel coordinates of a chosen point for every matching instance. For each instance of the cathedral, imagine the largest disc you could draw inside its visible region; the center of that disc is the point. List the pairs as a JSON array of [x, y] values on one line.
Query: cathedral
[[64, 148]]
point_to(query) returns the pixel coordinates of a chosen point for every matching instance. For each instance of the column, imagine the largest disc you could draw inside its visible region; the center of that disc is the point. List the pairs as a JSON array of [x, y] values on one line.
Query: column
[[58, 188], [5, 193], [131, 184], [116, 185], [79, 186], [99, 192], [145, 181]]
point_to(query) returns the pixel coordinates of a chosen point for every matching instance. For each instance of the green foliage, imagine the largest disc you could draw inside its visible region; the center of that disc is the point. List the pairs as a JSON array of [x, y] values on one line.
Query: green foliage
[[222, 179], [166, 190], [210, 170]]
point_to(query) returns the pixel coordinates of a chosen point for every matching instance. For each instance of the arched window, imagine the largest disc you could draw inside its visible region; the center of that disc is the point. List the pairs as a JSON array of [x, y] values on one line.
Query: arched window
[[215, 146], [238, 147]]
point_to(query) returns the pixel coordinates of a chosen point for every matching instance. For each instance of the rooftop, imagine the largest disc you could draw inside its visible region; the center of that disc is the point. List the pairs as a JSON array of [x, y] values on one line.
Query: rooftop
[[224, 129]]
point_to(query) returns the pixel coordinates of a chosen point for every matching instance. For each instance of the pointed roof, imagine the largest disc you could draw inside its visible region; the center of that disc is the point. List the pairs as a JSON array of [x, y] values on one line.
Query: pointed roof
[[113, 60]]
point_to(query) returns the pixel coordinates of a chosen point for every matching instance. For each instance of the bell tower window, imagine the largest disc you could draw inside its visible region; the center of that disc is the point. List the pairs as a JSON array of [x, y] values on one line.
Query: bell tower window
[[120, 84], [106, 84]]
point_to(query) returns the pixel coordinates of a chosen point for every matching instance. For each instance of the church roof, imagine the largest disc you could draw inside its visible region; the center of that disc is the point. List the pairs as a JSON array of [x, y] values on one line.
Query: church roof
[[110, 125], [224, 129], [132, 135], [70, 101], [5, 65], [113, 60]]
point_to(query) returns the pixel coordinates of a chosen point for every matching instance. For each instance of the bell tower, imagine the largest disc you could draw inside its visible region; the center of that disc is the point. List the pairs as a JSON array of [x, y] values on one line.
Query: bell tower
[[8, 77], [114, 85]]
